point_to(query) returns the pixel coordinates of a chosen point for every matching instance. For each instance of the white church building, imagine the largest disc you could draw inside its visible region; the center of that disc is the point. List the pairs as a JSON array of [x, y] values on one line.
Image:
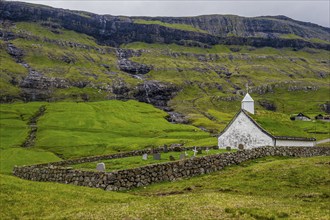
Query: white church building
[[243, 132]]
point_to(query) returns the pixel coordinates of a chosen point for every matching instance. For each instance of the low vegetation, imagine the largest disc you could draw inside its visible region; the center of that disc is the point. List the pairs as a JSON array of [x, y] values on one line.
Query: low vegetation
[[184, 27]]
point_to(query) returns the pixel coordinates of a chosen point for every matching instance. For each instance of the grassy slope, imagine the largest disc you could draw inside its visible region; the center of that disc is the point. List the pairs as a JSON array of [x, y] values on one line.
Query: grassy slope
[[281, 69], [184, 27], [49, 59], [262, 189], [83, 129], [13, 132], [280, 125]]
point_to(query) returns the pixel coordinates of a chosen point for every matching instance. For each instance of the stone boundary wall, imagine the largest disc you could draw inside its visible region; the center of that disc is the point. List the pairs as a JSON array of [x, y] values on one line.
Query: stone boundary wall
[[120, 155], [169, 171]]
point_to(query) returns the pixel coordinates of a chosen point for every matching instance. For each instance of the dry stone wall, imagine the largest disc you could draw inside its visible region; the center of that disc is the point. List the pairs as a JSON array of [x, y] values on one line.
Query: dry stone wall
[[142, 176]]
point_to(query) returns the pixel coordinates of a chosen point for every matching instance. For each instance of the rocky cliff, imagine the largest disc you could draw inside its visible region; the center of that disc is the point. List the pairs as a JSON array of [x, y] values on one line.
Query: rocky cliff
[[214, 29]]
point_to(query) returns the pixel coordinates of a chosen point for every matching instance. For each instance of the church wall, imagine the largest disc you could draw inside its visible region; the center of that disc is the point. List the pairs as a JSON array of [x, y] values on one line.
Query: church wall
[[294, 143], [244, 131]]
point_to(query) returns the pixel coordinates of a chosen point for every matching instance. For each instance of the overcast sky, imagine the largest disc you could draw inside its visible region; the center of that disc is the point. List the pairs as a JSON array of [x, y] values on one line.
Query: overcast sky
[[315, 11]]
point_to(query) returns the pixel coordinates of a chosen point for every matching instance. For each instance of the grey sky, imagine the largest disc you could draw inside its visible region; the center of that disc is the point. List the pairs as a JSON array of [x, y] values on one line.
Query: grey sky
[[315, 11]]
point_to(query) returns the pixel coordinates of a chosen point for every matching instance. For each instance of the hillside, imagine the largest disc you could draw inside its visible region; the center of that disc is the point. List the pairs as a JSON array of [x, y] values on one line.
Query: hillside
[[197, 80]]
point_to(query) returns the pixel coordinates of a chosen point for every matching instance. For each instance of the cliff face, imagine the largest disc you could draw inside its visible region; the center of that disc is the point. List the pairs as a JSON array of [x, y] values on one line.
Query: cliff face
[[265, 26], [114, 31]]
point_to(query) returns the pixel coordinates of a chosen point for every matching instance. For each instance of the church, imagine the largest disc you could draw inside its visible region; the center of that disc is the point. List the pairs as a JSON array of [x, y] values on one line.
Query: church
[[243, 132]]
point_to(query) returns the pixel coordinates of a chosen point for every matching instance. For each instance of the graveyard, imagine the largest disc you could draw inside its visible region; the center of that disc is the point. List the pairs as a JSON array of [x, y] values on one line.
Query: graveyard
[[145, 159]]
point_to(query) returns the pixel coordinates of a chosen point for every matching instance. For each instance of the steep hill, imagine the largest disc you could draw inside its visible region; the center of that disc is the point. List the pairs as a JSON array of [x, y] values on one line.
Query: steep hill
[[196, 68]]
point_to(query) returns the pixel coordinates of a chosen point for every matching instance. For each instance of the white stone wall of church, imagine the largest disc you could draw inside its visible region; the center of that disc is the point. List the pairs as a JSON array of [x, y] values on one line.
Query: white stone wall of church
[[248, 106], [293, 143], [243, 131]]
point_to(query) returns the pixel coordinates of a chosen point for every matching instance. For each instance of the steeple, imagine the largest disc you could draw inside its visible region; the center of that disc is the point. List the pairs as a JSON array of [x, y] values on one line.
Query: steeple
[[248, 103]]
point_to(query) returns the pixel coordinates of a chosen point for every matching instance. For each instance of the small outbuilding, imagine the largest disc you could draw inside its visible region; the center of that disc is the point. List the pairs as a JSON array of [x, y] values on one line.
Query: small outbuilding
[[243, 132], [319, 117], [301, 117]]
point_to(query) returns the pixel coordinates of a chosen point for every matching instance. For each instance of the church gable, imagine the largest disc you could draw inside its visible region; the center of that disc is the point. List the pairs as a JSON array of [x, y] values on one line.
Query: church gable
[[244, 132]]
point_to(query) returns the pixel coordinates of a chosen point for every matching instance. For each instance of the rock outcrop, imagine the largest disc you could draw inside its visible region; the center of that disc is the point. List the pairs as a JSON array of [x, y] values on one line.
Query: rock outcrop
[[131, 67], [155, 93]]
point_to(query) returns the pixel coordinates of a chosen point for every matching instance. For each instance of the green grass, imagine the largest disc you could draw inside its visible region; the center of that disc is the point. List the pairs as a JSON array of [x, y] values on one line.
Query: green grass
[[268, 188], [37, 29], [13, 132], [184, 27], [84, 129], [18, 156], [13, 123], [136, 161]]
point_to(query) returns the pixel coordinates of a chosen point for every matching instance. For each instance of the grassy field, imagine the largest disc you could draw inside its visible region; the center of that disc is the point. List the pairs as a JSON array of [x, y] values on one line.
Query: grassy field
[[70, 129], [269, 188]]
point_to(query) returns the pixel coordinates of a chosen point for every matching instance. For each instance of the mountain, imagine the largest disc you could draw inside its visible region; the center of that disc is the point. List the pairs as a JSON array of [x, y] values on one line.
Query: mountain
[[196, 68], [209, 29]]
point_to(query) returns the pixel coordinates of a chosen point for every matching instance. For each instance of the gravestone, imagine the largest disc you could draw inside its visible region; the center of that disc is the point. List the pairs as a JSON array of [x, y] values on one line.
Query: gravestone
[[207, 150], [195, 151], [172, 158], [145, 157], [199, 151], [152, 150], [100, 167], [157, 156], [186, 154], [165, 148], [182, 156], [228, 148]]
